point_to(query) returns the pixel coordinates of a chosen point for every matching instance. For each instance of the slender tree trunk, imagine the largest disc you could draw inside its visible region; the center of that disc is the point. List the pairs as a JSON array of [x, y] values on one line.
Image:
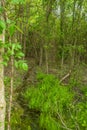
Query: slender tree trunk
[[62, 22], [46, 56], [41, 56], [24, 47], [2, 93], [11, 94]]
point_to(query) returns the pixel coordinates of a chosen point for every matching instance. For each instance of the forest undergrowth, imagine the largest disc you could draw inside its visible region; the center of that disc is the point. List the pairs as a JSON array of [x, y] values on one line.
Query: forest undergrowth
[[53, 101]]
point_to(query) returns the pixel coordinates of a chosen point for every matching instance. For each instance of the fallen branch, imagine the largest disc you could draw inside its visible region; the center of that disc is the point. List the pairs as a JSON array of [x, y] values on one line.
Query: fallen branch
[[66, 76]]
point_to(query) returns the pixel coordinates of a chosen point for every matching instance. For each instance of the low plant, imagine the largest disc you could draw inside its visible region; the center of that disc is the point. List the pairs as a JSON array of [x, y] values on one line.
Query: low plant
[[51, 99]]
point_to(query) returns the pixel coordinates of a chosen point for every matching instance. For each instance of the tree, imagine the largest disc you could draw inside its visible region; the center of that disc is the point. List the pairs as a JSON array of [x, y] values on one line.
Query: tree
[[2, 93]]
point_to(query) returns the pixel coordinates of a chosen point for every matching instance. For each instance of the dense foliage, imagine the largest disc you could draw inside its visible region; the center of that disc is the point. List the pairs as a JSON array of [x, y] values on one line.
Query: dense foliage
[[47, 39], [55, 104]]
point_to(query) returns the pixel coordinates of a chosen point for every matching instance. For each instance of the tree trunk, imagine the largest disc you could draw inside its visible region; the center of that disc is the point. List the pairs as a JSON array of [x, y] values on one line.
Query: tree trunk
[[11, 94], [62, 22], [2, 94]]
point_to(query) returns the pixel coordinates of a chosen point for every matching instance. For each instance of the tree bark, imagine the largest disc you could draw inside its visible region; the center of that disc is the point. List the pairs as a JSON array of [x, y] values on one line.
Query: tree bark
[[2, 93], [62, 27], [11, 94]]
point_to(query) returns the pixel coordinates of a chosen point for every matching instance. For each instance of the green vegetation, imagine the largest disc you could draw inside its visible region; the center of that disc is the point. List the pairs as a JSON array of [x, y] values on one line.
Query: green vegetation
[[43, 50], [51, 99], [55, 104]]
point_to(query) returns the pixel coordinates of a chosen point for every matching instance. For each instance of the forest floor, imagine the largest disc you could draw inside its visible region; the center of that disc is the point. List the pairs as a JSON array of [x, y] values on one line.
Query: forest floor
[[22, 80]]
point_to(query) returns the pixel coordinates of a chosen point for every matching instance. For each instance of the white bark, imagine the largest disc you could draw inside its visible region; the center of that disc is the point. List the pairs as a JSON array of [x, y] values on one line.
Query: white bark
[[2, 95]]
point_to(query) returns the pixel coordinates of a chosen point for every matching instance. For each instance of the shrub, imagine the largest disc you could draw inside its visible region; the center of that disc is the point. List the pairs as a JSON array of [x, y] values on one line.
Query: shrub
[[51, 99]]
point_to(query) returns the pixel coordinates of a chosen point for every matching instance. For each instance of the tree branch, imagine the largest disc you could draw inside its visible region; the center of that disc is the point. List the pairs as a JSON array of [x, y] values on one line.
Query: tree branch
[[66, 76]]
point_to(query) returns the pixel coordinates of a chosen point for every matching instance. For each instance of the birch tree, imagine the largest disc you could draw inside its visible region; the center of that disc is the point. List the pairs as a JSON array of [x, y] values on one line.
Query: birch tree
[[2, 94]]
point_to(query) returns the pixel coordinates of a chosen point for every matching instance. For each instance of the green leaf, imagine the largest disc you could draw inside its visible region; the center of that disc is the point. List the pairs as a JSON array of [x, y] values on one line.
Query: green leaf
[[2, 26], [16, 64], [6, 58], [18, 47], [13, 46], [12, 29], [19, 55], [4, 63], [10, 52], [21, 64], [25, 66]]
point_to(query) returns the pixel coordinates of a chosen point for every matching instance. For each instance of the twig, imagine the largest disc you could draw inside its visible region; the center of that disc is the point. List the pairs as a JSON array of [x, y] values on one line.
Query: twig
[[63, 123], [66, 76]]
